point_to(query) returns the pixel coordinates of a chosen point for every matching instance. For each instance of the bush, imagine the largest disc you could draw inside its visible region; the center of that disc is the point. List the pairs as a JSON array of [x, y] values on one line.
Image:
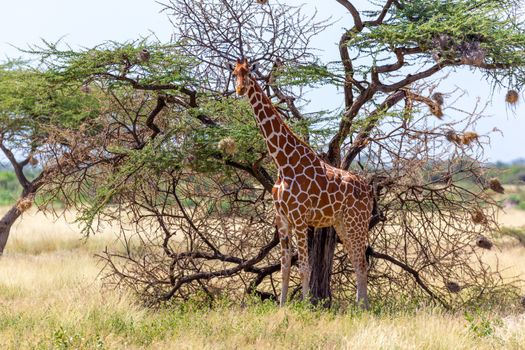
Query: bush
[[10, 188]]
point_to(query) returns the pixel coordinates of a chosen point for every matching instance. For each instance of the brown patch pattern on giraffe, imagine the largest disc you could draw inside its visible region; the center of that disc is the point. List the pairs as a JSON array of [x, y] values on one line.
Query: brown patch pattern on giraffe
[[309, 192]]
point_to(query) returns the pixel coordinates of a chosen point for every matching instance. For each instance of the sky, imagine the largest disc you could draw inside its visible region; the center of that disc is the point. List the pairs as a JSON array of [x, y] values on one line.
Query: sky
[[87, 23]]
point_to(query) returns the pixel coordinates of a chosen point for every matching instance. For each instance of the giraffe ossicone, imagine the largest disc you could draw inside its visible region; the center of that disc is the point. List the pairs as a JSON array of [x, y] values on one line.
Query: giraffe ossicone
[[309, 192]]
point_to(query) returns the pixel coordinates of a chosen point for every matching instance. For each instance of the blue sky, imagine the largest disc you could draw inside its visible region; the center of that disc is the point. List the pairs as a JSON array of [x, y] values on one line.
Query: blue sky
[[87, 23]]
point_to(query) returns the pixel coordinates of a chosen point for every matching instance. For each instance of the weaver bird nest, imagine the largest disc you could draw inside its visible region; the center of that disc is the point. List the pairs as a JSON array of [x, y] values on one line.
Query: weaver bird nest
[[496, 186], [484, 242], [478, 217], [453, 287], [512, 97], [143, 55], [438, 98], [466, 139], [24, 204], [227, 146]]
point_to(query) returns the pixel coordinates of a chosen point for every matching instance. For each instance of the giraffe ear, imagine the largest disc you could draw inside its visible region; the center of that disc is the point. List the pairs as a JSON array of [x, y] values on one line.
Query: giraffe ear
[[230, 66], [255, 67]]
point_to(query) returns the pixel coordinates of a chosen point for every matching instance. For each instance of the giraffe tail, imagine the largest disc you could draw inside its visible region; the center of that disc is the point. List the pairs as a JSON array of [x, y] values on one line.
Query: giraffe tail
[[377, 215], [368, 253]]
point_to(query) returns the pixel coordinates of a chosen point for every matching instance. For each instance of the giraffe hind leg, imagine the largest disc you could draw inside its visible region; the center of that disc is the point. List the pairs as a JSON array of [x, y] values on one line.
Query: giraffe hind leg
[[354, 241]]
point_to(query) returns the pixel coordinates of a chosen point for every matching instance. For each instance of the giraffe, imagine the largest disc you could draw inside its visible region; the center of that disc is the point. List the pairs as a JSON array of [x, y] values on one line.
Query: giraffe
[[309, 192]]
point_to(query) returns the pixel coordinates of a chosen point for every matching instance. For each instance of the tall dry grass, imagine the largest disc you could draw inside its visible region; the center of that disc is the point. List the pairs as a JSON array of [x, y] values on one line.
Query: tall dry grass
[[38, 232], [51, 297]]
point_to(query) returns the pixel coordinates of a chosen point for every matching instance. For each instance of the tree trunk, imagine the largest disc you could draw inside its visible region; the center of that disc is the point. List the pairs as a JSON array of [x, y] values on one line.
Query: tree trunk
[[5, 225], [321, 248], [24, 202]]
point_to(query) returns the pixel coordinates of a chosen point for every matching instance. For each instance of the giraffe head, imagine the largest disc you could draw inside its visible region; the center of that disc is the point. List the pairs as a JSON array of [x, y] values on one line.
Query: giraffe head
[[241, 70]]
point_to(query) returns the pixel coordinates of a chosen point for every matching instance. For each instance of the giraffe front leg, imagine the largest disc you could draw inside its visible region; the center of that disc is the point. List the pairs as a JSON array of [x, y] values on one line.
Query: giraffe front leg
[[286, 255], [303, 261]]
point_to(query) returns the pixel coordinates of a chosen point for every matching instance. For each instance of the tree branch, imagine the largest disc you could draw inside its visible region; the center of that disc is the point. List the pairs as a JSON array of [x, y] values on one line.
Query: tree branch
[[150, 122], [19, 169], [263, 252], [154, 87], [413, 272], [262, 274], [361, 140], [381, 17], [400, 53], [334, 147], [287, 99], [358, 24], [348, 68], [256, 171], [409, 79]]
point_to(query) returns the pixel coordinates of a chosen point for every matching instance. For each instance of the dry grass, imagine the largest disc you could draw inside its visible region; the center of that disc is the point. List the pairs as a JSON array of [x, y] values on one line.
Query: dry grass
[[37, 233], [512, 218], [51, 297]]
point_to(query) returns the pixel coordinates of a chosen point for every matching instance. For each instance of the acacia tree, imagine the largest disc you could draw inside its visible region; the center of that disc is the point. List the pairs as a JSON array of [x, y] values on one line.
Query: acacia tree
[[400, 45], [31, 104], [177, 156]]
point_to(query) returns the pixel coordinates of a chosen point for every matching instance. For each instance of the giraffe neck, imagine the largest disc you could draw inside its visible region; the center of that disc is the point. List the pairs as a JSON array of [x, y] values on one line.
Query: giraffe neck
[[286, 149]]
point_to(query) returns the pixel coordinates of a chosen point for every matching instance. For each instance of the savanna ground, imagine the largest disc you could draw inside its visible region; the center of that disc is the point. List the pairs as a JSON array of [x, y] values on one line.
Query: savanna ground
[[51, 296]]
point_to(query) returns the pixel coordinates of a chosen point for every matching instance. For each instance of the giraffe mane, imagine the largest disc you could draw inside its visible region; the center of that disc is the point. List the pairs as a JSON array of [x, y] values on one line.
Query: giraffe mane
[[279, 115]]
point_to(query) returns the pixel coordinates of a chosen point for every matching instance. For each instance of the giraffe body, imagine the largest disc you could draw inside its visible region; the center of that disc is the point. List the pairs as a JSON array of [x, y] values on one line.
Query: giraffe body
[[309, 192]]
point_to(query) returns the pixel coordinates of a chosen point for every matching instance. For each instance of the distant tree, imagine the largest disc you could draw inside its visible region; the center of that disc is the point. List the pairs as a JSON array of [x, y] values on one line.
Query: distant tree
[[177, 156]]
